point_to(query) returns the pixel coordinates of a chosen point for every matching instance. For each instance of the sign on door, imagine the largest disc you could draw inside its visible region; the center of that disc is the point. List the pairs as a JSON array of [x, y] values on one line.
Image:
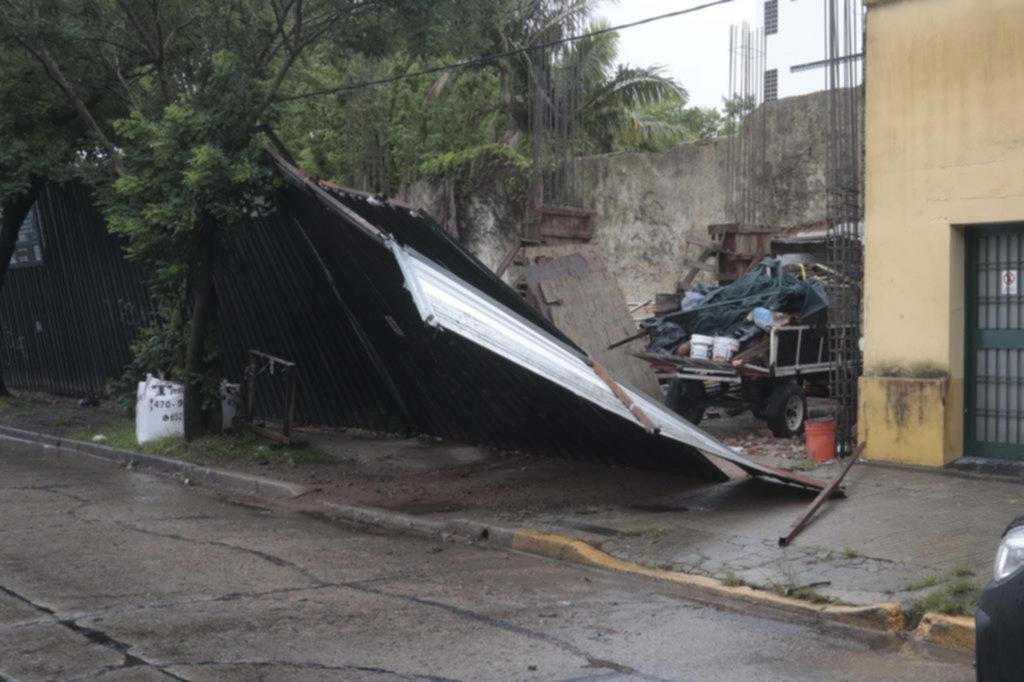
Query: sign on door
[[1008, 283]]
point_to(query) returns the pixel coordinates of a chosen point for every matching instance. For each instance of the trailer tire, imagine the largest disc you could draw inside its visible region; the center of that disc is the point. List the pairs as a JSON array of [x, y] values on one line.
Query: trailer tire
[[686, 398], [787, 410]]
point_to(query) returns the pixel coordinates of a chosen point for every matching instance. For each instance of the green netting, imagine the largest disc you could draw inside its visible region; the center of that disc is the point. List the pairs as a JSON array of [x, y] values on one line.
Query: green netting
[[767, 286]]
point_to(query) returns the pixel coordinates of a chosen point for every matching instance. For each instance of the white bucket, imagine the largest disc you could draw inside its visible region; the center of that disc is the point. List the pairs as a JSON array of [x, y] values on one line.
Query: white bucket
[[700, 346], [724, 348]]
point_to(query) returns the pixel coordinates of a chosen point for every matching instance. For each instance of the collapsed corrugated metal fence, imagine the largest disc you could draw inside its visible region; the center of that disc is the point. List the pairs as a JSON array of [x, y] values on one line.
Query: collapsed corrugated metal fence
[[394, 326]]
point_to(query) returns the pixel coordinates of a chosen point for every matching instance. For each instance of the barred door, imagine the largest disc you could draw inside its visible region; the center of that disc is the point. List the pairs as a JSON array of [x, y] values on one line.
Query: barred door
[[994, 380]]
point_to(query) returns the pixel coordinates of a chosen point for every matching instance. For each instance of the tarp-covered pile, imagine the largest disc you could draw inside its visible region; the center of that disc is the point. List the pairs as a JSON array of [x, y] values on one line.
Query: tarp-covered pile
[[767, 295]]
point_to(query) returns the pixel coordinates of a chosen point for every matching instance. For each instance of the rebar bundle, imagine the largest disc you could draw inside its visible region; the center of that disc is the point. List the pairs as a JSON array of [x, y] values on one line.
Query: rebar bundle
[[844, 49], [555, 122], [747, 125]]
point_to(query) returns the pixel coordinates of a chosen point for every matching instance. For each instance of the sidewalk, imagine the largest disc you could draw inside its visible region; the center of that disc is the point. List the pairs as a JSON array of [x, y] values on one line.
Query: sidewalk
[[921, 537]]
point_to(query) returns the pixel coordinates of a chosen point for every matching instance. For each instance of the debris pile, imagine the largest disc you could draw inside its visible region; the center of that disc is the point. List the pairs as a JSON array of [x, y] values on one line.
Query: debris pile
[[758, 343], [730, 323]]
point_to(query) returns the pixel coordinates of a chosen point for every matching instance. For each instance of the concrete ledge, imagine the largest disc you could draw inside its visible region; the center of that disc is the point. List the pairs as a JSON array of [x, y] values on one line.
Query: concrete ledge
[[955, 632], [208, 476]]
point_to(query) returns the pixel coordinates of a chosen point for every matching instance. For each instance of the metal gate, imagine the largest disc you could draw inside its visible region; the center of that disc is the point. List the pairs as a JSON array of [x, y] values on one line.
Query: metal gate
[[994, 380]]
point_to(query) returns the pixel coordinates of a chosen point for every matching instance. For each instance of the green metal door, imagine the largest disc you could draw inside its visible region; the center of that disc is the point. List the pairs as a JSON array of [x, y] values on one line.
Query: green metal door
[[994, 380]]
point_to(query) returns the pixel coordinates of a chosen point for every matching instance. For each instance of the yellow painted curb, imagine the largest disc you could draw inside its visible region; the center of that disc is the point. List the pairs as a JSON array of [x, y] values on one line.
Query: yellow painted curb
[[886, 617], [955, 632]]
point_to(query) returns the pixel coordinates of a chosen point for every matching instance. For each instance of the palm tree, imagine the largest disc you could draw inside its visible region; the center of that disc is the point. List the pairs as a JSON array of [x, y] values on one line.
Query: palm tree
[[514, 28], [614, 100], [610, 102]]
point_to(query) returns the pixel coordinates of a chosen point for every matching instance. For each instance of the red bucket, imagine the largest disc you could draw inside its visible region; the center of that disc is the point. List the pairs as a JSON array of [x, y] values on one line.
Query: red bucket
[[821, 439]]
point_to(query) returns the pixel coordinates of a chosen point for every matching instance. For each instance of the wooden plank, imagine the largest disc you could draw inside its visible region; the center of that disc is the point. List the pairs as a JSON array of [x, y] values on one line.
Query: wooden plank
[[262, 431], [508, 259], [699, 265], [706, 242], [592, 311], [624, 398], [687, 279], [536, 253]]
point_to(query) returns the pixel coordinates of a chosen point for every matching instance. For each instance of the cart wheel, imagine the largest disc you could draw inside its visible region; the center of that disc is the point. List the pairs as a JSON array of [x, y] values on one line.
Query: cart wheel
[[787, 410], [685, 397]]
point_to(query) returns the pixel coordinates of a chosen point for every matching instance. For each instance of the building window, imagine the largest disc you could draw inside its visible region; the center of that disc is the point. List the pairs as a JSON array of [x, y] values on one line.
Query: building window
[[771, 17], [771, 85]]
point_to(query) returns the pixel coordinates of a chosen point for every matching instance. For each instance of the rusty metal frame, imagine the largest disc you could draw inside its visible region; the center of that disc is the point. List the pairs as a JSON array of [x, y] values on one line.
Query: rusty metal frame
[[826, 492], [252, 370]]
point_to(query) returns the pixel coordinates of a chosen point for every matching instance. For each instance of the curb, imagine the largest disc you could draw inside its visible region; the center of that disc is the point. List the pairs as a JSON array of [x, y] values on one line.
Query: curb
[[886, 617], [954, 632], [207, 476]]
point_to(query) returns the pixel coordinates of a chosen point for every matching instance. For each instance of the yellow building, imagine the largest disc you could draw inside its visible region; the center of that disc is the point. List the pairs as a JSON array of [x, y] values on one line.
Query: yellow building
[[944, 217]]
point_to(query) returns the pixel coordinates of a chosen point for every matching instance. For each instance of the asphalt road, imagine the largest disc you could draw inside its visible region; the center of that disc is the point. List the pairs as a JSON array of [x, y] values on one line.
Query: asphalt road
[[107, 574]]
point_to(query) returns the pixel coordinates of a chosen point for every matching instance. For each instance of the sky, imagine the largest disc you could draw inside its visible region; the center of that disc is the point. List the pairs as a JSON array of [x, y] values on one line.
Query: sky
[[694, 48]]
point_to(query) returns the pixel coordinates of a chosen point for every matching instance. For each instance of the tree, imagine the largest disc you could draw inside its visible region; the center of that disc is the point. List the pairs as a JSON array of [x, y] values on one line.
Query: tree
[[41, 138], [735, 109], [614, 99], [199, 79]]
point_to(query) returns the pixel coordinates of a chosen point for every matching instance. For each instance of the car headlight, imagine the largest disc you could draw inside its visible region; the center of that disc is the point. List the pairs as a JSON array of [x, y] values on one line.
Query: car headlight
[[1010, 556]]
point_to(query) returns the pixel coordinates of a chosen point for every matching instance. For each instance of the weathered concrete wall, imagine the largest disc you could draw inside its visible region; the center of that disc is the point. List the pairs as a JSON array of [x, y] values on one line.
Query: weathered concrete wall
[[489, 218], [647, 203]]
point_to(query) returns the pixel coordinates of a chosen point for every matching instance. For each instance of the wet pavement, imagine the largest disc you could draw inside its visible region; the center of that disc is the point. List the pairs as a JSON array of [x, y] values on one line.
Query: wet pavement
[[108, 574]]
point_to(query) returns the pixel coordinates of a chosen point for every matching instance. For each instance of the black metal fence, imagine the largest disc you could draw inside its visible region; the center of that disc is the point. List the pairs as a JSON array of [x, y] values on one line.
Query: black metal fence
[[68, 321]]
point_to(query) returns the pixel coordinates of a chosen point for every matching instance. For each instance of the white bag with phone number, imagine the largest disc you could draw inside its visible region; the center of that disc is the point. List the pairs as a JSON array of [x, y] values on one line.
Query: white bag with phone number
[[159, 410]]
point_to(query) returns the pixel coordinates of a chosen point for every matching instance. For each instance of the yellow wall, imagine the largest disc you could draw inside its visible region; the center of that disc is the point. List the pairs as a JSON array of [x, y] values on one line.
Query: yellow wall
[[944, 151]]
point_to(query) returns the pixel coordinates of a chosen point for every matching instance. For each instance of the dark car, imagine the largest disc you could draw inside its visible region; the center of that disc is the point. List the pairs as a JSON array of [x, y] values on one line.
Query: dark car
[[1000, 616]]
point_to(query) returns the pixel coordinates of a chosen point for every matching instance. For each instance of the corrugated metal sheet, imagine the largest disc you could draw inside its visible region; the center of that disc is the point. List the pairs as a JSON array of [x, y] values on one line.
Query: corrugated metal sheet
[[472, 361], [274, 297], [392, 323]]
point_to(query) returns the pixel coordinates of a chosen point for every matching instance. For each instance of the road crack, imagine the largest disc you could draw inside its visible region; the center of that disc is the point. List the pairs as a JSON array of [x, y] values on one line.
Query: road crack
[[95, 636], [318, 666], [265, 556]]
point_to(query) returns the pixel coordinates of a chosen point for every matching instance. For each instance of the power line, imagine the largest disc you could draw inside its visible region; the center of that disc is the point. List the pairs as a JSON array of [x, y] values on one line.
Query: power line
[[486, 59]]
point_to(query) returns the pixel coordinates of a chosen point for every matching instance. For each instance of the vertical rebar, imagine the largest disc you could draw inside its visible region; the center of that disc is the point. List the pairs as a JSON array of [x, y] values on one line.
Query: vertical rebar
[[844, 197]]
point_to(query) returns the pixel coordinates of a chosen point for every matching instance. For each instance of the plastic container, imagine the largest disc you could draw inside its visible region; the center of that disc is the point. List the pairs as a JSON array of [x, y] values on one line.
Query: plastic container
[[821, 439], [724, 348], [700, 346], [766, 319]]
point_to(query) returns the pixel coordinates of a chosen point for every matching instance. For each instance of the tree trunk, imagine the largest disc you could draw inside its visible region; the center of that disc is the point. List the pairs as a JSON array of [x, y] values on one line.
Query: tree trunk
[[12, 215], [204, 309]]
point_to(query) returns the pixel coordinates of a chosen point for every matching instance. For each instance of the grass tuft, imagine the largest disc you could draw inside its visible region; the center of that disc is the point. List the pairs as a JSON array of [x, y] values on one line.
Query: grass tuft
[[963, 571], [958, 598], [803, 594], [733, 580], [922, 584], [650, 532], [234, 446]]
